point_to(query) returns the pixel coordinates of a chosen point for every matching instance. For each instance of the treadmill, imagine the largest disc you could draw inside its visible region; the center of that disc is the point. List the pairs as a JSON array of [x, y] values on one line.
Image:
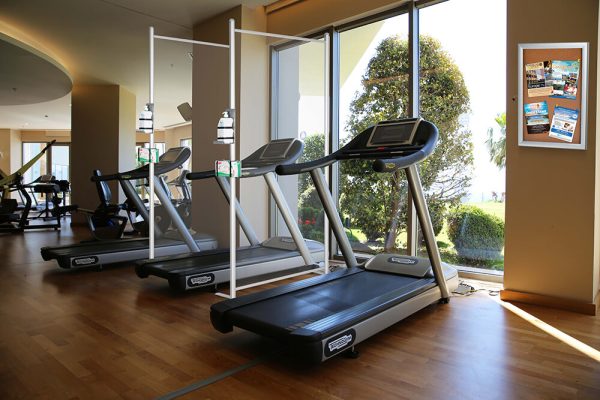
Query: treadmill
[[329, 314], [259, 261], [99, 253]]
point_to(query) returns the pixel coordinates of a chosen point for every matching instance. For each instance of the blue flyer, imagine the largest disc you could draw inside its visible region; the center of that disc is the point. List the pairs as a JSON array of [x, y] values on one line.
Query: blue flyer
[[563, 123], [536, 117]]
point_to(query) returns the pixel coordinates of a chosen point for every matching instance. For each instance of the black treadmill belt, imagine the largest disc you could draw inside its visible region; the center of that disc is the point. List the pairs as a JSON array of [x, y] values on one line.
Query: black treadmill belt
[[116, 246], [326, 302], [214, 260]]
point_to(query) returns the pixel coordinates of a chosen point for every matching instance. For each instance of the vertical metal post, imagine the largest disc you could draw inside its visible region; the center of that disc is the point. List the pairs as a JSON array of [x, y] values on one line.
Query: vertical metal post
[[232, 219], [334, 218], [327, 134], [334, 130], [163, 196], [241, 215], [412, 174], [151, 167], [413, 111], [290, 222]]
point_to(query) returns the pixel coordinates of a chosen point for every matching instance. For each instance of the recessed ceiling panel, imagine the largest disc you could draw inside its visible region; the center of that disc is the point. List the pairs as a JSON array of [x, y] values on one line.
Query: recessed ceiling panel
[[28, 77]]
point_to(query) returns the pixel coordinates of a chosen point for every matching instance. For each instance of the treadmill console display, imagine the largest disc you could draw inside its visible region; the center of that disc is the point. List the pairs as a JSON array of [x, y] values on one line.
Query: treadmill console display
[[170, 156], [276, 150], [395, 133]]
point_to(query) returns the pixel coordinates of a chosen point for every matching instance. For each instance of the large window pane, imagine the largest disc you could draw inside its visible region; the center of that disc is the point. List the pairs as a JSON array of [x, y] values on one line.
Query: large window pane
[[374, 86], [299, 104], [60, 161], [462, 86]]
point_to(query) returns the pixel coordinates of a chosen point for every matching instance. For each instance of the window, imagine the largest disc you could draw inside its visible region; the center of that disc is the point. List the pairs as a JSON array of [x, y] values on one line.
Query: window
[[469, 88], [55, 162], [30, 150], [458, 84], [373, 206], [187, 143], [298, 93]]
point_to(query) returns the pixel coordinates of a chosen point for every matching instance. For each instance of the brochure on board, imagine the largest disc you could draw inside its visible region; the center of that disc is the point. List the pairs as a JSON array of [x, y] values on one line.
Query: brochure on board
[[563, 123], [537, 118], [564, 78]]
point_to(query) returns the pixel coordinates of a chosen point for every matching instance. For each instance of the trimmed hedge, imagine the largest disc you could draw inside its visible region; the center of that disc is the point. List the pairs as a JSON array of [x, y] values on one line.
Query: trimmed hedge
[[476, 235]]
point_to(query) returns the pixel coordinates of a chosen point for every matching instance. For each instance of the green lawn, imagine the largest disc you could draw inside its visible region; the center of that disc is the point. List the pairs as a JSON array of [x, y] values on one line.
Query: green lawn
[[491, 207]]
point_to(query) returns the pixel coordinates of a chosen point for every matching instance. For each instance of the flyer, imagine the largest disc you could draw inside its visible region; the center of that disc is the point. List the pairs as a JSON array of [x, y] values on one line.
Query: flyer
[[536, 80], [563, 123], [536, 117], [565, 74]]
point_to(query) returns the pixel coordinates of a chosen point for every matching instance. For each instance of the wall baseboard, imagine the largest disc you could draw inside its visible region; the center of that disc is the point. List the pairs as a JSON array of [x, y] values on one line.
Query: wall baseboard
[[552, 302]]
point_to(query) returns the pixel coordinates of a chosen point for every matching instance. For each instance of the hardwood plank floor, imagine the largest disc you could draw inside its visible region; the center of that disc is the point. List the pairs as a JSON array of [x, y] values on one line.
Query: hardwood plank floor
[[88, 334]]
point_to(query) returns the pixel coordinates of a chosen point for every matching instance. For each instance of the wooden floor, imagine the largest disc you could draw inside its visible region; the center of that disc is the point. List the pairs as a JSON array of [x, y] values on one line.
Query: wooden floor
[[89, 334]]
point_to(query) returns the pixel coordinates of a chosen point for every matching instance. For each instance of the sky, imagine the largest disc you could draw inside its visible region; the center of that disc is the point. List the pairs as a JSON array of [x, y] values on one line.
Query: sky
[[474, 34]]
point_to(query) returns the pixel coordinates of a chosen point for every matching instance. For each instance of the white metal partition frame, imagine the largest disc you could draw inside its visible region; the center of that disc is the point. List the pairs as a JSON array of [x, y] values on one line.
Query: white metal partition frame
[[232, 218], [151, 182]]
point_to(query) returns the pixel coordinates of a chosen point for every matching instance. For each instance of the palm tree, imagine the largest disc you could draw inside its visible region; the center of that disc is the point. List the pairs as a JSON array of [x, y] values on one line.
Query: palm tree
[[497, 148]]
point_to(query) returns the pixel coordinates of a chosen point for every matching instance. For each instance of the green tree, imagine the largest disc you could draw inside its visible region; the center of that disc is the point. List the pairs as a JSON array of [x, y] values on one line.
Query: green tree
[[497, 148], [314, 147], [376, 203]]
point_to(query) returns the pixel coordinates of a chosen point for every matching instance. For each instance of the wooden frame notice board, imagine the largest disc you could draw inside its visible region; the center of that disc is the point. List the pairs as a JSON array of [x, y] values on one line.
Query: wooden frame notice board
[[540, 64]]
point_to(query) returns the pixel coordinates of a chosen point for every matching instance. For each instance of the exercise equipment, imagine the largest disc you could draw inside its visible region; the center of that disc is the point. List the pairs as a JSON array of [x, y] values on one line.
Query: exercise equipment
[[278, 255], [16, 219], [114, 251], [327, 315]]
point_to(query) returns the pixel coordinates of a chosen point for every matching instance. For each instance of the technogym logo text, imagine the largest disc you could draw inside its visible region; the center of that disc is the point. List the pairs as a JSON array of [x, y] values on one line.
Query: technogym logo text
[[340, 342], [402, 260], [199, 280], [81, 261]]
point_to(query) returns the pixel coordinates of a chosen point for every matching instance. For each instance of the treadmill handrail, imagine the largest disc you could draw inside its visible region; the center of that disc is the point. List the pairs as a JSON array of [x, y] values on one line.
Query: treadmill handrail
[[143, 172], [250, 172], [387, 158], [299, 168]]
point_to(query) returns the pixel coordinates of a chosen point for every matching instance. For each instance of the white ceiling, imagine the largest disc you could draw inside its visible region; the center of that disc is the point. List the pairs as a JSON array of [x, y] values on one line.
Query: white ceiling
[[106, 42]]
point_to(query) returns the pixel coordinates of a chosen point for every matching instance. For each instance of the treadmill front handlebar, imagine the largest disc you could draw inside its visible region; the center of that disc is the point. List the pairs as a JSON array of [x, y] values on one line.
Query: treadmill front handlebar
[[295, 169], [393, 164], [249, 172], [194, 176], [110, 177]]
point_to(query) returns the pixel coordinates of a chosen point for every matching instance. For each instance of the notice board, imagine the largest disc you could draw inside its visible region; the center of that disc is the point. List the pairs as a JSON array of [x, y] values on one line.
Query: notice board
[[553, 95]]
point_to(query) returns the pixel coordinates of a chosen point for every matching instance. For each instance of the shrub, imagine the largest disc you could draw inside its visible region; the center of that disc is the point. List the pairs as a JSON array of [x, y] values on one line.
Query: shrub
[[310, 221], [437, 212], [476, 235]]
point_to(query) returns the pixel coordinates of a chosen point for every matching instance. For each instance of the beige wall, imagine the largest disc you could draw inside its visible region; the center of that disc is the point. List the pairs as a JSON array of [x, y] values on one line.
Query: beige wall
[[254, 116], [127, 134], [310, 15], [102, 137], [16, 153], [5, 164], [173, 136], [43, 136], [210, 97], [10, 147], [159, 137], [550, 193]]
